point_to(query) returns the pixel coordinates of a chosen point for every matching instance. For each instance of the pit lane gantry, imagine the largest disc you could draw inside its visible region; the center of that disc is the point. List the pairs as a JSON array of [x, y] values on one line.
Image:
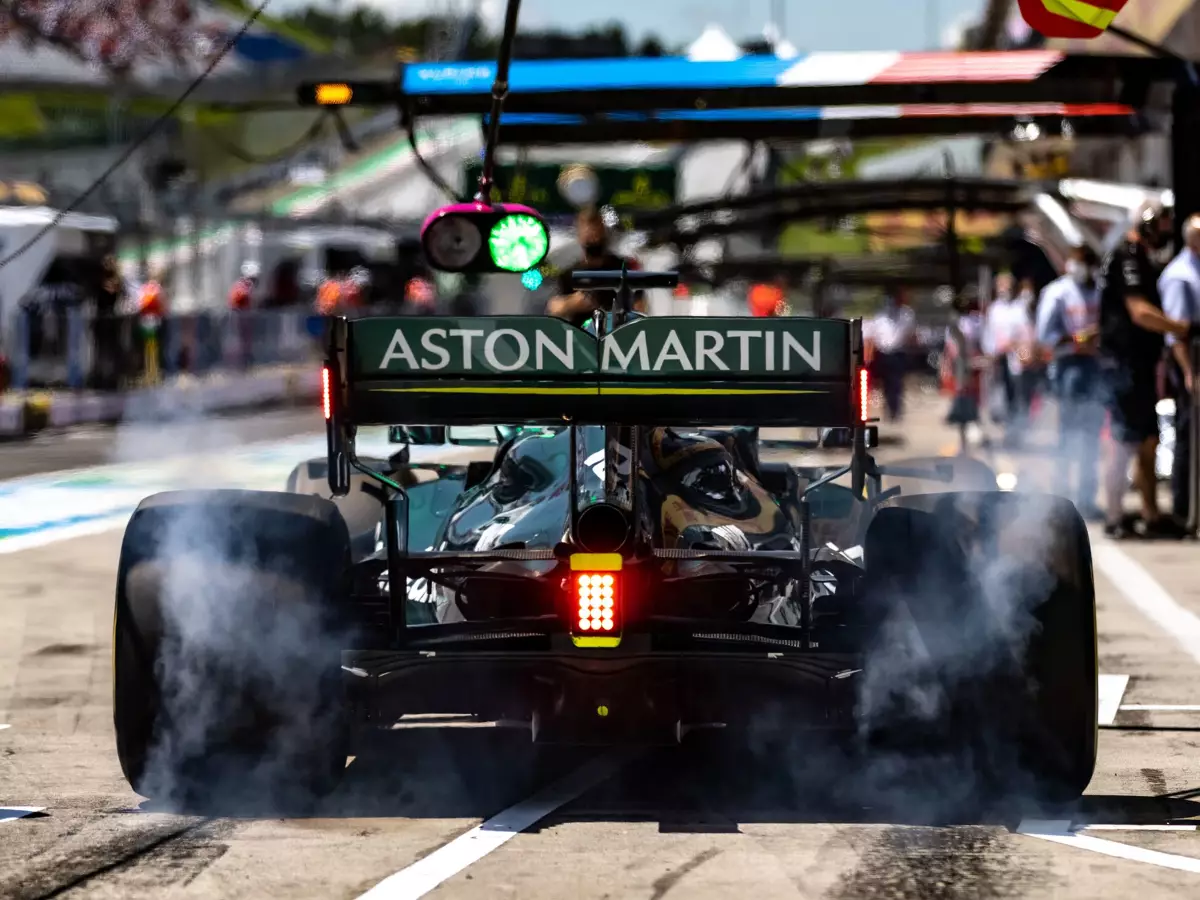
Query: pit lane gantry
[[819, 95]]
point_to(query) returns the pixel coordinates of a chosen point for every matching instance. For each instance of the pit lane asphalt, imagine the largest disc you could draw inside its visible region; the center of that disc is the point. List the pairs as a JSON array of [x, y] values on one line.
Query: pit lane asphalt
[[716, 819], [97, 445]]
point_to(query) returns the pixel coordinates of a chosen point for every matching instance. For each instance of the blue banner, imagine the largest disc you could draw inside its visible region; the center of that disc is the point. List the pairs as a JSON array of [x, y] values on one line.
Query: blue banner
[[533, 76]]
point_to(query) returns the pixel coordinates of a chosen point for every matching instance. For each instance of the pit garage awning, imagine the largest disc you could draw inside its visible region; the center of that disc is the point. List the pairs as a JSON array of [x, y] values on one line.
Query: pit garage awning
[[926, 268], [687, 224]]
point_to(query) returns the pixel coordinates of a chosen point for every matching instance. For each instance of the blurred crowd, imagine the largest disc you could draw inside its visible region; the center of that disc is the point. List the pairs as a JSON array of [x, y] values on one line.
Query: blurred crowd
[[115, 34], [1107, 341]]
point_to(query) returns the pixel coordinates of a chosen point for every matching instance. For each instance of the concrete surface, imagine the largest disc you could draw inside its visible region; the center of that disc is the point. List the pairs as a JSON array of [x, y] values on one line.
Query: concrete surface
[[24, 413], [718, 818]]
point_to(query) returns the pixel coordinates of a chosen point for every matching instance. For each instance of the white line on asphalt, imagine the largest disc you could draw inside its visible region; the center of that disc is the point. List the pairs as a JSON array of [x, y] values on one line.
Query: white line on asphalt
[[1111, 689], [12, 813], [1135, 827], [426, 874], [1159, 707], [1139, 588], [1060, 833]]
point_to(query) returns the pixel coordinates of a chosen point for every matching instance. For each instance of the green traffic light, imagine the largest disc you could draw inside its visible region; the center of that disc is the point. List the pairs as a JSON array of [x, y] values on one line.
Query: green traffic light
[[518, 242]]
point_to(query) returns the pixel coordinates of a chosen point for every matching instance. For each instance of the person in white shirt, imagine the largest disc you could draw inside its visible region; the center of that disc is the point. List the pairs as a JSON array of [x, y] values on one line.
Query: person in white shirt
[[1068, 326], [888, 335], [1179, 287], [1008, 339]]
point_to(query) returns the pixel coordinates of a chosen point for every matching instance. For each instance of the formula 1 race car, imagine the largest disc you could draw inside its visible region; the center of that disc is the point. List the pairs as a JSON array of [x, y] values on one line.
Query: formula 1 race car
[[620, 565]]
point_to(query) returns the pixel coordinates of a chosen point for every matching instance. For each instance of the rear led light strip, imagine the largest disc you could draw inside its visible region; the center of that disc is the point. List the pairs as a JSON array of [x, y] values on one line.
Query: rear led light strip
[[326, 393], [597, 602]]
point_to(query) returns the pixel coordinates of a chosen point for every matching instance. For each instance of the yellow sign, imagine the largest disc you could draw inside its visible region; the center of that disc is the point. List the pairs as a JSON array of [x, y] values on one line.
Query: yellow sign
[[520, 191], [334, 94], [642, 195], [913, 228]]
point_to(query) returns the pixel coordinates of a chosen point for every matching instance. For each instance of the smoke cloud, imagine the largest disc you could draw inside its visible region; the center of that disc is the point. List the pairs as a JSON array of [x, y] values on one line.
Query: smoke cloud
[[939, 699], [236, 670], [241, 620]]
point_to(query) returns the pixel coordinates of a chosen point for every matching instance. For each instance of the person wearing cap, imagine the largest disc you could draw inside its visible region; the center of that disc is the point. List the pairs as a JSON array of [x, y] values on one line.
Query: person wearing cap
[[1132, 326], [1068, 327], [1179, 286]]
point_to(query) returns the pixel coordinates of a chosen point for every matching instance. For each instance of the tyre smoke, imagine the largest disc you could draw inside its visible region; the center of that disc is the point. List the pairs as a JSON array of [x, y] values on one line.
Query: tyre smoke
[[946, 705], [248, 669]]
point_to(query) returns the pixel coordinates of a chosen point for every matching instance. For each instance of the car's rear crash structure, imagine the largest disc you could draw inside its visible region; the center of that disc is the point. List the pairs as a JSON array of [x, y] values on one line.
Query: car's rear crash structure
[[625, 568]]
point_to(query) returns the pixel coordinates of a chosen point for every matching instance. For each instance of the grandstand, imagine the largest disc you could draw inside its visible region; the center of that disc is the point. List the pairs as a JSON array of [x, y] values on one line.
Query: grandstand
[[141, 41], [83, 78]]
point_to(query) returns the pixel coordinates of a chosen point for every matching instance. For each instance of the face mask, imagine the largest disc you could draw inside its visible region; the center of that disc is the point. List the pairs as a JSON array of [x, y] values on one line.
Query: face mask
[[1156, 238], [594, 249]]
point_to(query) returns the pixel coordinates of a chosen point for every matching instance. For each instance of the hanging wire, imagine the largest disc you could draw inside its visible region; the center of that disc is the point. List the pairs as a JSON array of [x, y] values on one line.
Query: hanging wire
[[150, 131]]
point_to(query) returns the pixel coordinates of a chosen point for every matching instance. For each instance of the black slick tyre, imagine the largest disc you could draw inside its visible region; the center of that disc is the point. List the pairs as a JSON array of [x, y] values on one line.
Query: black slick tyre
[[227, 634], [997, 591]]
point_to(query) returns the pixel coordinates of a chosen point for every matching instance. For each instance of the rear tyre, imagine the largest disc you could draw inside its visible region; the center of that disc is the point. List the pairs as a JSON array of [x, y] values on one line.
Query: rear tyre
[[228, 629], [983, 612]]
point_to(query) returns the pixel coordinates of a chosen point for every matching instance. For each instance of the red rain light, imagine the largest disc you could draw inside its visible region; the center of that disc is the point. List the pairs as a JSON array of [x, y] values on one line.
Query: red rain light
[[326, 393], [597, 602], [864, 395]]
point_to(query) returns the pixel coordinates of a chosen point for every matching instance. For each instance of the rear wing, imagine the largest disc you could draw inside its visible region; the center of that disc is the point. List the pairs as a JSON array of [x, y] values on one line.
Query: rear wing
[[537, 370]]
